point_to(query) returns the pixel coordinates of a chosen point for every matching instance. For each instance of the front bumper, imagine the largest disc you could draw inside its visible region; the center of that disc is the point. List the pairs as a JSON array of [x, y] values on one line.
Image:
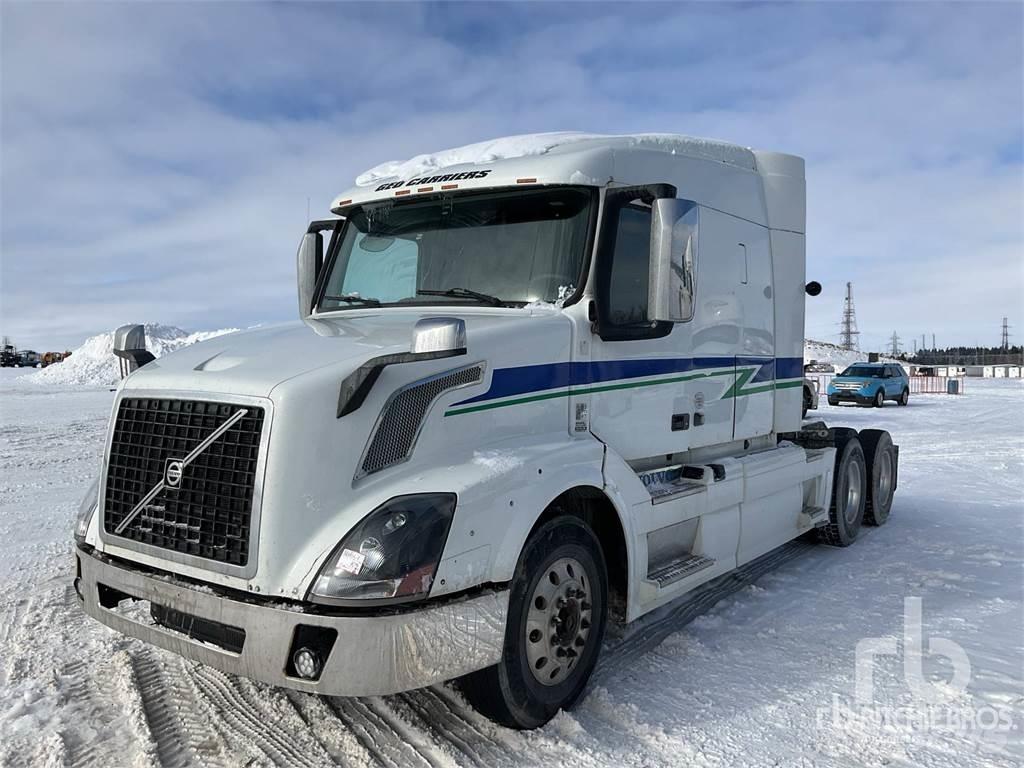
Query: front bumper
[[849, 396], [373, 655]]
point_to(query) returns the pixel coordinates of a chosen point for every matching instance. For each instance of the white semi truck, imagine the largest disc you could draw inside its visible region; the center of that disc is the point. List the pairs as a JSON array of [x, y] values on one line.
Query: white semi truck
[[529, 393]]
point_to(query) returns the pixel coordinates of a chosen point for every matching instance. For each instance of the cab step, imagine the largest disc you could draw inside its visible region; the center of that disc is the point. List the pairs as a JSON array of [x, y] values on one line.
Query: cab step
[[679, 569]]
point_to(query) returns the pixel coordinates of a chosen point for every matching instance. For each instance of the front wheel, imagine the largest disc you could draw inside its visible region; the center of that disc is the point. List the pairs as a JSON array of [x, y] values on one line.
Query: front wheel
[[879, 399], [558, 605]]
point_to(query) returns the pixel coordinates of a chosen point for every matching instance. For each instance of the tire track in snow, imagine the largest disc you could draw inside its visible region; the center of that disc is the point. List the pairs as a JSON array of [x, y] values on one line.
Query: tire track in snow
[[250, 722], [102, 694], [392, 743], [338, 740], [438, 717], [179, 729]]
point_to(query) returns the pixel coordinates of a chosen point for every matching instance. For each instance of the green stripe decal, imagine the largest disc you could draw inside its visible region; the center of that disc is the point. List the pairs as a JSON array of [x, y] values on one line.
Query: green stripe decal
[[735, 390]]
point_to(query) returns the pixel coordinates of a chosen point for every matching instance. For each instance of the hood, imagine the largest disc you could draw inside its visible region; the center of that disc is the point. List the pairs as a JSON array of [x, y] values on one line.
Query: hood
[[254, 362], [311, 455]]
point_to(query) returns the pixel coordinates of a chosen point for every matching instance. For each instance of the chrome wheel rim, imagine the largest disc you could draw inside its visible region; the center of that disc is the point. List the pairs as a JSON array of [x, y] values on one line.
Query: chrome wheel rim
[[853, 488], [879, 398], [558, 621], [885, 476]]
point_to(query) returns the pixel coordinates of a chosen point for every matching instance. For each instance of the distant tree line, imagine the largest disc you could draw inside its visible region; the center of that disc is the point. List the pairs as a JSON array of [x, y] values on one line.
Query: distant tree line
[[967, 356]]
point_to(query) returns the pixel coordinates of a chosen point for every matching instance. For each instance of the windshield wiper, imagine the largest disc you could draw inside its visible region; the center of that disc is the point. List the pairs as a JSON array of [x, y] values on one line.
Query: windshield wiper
[[465, 293], [355, 298]]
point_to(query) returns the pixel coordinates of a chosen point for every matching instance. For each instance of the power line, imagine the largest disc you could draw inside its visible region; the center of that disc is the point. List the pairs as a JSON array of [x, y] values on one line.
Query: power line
[[894, 345], [848, 337]]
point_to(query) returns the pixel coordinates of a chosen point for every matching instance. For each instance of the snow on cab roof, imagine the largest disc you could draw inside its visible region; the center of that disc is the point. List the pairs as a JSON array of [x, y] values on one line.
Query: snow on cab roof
[[534, 144]]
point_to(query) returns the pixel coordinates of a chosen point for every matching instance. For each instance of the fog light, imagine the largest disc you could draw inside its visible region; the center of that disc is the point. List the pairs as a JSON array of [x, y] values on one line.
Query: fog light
[[307, 663]]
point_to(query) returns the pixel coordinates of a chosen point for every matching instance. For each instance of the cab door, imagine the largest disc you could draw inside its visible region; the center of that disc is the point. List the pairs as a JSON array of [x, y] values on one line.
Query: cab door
[[636, 377]]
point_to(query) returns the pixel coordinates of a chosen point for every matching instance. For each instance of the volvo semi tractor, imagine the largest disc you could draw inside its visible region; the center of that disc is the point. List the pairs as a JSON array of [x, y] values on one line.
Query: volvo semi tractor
[[529, 393]]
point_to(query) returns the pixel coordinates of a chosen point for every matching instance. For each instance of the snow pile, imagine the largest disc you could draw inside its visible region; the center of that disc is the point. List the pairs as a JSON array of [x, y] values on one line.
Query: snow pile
[[824, 352], [94, 364], [532, 144]]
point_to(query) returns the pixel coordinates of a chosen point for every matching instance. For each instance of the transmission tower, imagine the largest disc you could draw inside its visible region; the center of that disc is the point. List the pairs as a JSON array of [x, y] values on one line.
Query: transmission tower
[[1005, 344], [848, 335], [933, 342], [894, 345]]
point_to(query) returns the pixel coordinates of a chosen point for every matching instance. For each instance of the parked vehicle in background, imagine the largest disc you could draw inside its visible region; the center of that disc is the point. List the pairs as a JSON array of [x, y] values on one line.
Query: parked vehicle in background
[[8, 355], [870, 384], [819, 367], [526, 394], [810, 396], [28, 358], [49, 358]]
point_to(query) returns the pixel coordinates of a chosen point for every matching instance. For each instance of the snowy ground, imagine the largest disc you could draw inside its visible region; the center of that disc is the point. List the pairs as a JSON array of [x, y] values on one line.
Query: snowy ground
[[743, 673]]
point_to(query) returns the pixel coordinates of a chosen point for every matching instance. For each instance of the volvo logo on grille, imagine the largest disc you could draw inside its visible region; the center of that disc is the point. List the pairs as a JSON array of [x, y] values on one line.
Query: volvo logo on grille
[[174, 467], [172, 473]]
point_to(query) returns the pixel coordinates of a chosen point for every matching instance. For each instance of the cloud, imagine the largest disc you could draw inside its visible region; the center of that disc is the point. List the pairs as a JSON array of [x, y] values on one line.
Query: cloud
[[157, 159]]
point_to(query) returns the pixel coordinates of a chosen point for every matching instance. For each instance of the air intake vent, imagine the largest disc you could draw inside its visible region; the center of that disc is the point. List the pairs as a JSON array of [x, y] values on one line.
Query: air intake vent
[[399, 423]]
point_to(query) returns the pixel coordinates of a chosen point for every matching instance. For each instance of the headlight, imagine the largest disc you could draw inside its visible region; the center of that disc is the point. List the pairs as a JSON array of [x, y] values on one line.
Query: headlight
[[86, 509], [392, 555]]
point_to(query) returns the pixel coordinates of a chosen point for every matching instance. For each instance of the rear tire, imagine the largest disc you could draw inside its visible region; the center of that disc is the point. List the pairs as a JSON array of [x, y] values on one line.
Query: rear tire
[[848, 492], [904, 397], [560, 587], [880, 455]]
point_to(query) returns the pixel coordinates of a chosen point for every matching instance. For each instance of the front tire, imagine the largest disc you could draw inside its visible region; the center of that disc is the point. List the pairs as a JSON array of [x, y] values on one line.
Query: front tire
[[558, 604], [879, 399], [848, 492]]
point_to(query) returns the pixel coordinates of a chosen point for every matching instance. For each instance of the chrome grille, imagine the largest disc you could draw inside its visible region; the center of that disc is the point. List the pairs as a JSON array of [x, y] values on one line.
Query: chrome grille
[[400, 420], [209, 513]]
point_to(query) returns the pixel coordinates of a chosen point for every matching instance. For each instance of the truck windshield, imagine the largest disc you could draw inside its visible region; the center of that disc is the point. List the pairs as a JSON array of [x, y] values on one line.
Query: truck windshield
[[496, 248]]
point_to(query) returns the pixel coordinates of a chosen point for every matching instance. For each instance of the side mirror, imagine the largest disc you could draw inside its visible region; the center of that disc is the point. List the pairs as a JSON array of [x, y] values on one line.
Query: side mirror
[[130, 348], [674, 240], [309, 261]]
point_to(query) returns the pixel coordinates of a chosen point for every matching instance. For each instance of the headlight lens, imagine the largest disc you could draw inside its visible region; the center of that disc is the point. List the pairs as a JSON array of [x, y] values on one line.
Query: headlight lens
[[86, 509], [392, 555]]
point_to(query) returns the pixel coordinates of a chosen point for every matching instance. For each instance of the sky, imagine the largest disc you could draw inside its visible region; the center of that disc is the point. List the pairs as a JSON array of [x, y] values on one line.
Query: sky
[[156, 160]]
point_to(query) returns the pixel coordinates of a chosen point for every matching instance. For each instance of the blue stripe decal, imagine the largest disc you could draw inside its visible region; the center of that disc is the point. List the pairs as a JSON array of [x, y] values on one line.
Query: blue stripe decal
[[527, 379], [789, 367]]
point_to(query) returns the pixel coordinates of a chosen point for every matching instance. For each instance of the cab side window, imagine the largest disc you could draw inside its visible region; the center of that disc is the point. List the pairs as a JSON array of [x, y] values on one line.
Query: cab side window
[[630, 268]]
